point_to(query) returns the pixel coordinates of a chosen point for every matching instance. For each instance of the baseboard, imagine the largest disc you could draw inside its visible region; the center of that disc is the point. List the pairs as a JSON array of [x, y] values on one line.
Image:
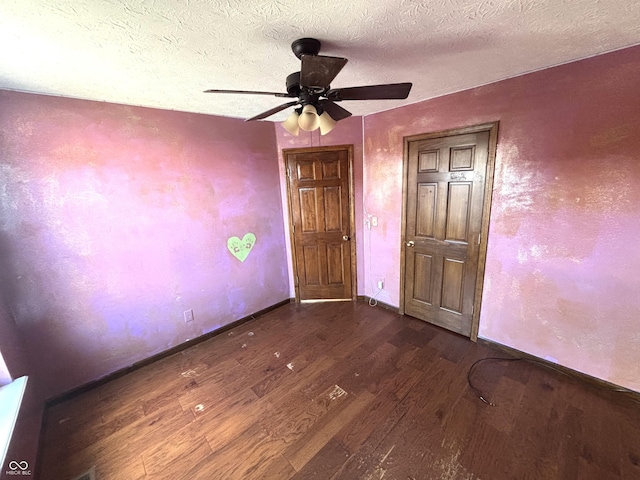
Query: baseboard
[[159, 356], [386, 306], [583, 377]]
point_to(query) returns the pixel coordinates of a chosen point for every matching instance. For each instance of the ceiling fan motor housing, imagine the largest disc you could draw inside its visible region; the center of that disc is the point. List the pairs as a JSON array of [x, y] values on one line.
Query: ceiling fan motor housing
[[293, 84], [305, 96]]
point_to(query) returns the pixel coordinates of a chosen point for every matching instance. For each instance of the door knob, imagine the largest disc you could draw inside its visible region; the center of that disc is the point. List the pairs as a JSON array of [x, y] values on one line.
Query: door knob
[[410, 243], [345, 237]]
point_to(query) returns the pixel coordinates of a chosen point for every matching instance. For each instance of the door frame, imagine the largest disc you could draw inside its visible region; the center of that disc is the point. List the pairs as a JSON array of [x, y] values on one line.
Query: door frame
[[492, 128], [352, 230]]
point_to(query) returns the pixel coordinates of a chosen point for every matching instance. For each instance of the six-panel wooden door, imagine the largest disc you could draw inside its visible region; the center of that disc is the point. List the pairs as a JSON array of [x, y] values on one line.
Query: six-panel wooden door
[[445, 189], [321, 218]]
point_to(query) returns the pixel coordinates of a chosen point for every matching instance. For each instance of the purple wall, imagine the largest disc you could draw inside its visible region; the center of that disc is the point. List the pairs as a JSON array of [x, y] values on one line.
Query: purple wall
[[562, 275], [115, 219], [346, 132], [13, 359]]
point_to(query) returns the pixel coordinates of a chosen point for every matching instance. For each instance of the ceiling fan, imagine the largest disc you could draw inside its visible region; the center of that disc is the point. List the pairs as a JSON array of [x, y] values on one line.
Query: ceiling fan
[[316, 100]]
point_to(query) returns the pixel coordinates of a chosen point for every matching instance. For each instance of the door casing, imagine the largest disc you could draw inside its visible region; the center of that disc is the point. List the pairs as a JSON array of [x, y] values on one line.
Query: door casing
[[492, 128], [352, 242]]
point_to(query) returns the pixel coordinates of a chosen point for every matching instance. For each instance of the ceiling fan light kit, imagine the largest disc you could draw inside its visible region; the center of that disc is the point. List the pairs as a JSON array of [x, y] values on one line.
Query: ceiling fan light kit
[[308, 120], [316, 100]]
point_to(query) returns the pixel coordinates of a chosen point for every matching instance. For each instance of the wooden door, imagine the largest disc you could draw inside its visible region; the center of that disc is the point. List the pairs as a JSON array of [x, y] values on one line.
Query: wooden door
[[321, 209], [446, 190]]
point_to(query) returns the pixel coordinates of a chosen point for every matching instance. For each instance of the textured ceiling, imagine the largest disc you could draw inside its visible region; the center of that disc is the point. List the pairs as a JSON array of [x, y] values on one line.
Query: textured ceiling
[[164, 53]]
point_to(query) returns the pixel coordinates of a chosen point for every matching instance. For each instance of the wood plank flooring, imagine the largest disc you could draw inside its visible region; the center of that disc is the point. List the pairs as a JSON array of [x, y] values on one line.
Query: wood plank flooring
[[341, 391]]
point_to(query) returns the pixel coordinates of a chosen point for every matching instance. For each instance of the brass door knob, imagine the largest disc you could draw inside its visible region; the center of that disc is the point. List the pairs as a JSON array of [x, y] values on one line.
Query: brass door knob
[[410, 243], [345, 237]]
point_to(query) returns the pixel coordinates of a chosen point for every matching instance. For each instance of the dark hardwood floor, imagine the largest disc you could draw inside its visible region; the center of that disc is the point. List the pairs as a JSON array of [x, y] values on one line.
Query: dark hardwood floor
[[341, 391]]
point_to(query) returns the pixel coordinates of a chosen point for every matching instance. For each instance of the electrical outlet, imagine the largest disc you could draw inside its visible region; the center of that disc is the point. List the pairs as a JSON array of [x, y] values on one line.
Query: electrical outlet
[[381, 284], [188, 316]]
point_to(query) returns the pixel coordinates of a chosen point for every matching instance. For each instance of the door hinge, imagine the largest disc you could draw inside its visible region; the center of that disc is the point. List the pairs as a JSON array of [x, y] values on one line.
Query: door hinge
[[473, 309], [297, 280], [479, 237]]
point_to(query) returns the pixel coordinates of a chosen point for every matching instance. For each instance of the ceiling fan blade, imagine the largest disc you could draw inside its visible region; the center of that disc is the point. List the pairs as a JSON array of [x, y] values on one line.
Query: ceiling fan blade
[[249, 92], [334, 110], [319, 71], [389, 91], [268, 113]]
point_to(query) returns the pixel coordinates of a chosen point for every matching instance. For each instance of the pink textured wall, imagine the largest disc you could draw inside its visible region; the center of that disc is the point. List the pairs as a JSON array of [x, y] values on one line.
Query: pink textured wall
[[14, 363], [346, 132], [13, 359], [562, 275], [115, 220]]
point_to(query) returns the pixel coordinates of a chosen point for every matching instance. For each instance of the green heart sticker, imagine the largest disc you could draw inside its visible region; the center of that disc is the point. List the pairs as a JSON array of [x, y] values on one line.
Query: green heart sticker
[[241, 248]]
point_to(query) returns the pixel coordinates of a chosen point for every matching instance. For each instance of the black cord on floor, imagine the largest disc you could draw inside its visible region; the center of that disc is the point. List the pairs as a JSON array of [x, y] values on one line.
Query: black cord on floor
[[481, 395], [475, 389]]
